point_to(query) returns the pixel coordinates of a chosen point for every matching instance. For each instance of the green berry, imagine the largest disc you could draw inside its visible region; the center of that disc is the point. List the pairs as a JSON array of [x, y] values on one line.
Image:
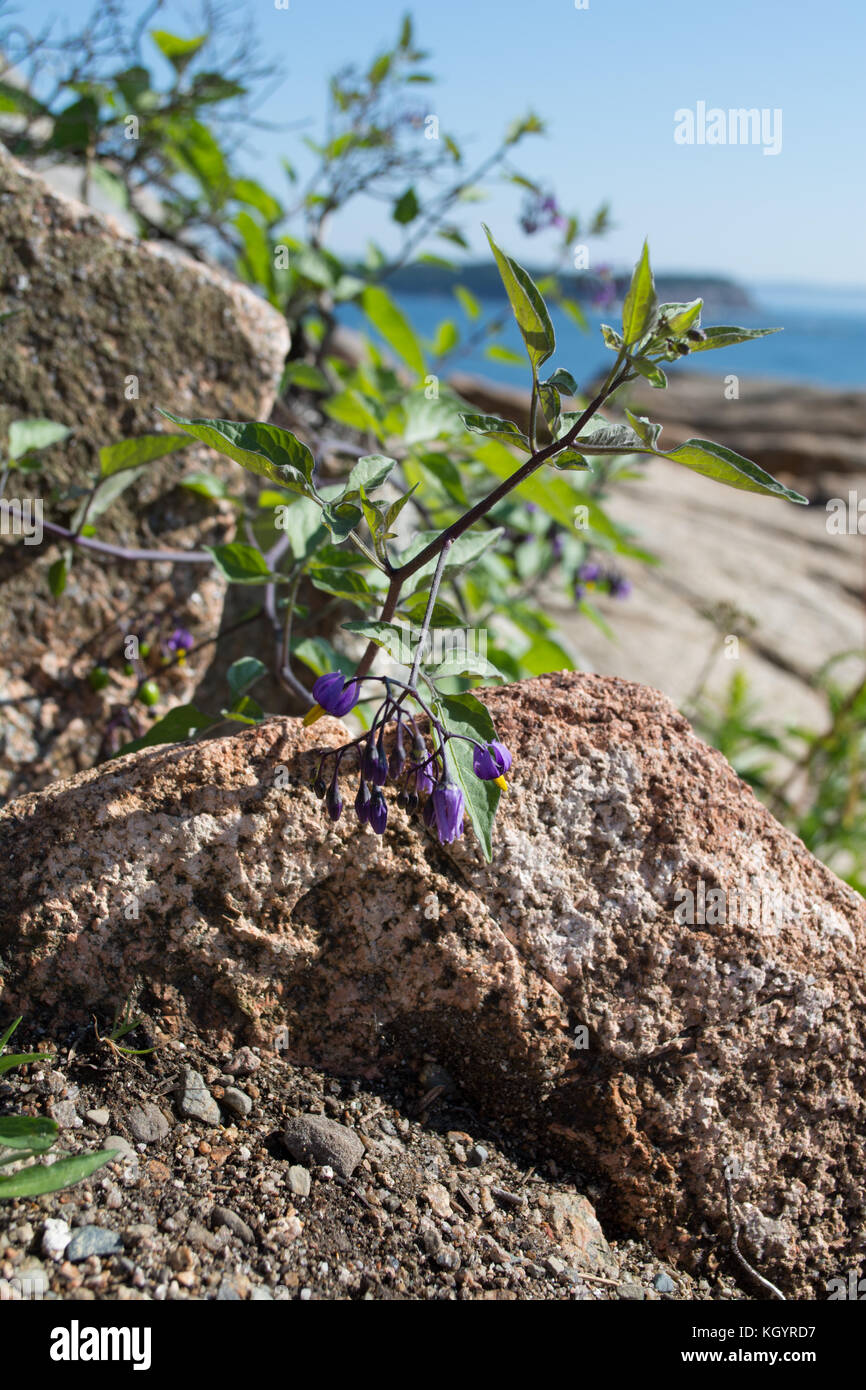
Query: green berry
[[98, 678], [149, 693], [144, 649], [129, 669]]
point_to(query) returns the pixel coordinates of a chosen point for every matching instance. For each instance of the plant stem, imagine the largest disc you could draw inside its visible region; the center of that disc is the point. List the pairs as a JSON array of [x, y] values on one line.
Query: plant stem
[[425, 628], [119, 552], [463, 523]]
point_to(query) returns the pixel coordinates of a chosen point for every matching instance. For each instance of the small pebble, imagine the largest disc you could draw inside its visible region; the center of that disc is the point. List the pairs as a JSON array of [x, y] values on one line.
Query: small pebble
[[237, 1101], [97, 1117], [92, 1240], [56, 1235], [222, 1216], [148, 1124], [194, 1100], [299, 1180]]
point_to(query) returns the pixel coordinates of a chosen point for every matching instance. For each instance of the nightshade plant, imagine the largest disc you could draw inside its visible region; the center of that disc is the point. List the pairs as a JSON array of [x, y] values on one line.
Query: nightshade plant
[[454, 761]]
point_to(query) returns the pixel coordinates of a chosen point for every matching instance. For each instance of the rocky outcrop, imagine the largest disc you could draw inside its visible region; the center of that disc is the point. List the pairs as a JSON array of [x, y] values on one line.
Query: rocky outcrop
[[104, 330], [652, 976]]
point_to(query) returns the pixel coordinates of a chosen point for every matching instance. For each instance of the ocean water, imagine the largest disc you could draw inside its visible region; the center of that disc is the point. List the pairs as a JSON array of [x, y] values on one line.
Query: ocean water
[[823, 342]]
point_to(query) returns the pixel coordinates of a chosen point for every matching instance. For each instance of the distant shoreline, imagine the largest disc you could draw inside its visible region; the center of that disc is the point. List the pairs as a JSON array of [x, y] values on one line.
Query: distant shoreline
[[483, 280]]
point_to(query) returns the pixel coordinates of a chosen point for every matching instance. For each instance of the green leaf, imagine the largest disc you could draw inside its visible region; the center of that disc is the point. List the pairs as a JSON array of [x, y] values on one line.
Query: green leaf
[[370, 472], [396, 508], [679, 318], [319, 656], [353, 409], [544, 656], [569, 461], [465, 714], [497, 353], [178, 51], [341, 518], [556, 496], [720, 337], [406, 209], [394, 327], [175, 727], [27, 435], [44, 1177], [640, 302], [107, 492], [264, 449], [256, 260], [240, 563], [205, 485], [393, 639], [429, 418], [447, 338], [469, 664], [529, 308], [611, 338], [609, 439], [447, 474], [464, 551], [9, 1031], [305, 375], [27, 1132], [650, 371], [249, 192], [468, 303], [19, 1059], [302, 523], [646, 431], [58, 574], [504, 430], [243, 674], [715, 461], [563, 381], [343, 583], [131, 453], [17, 99], [444, 615]]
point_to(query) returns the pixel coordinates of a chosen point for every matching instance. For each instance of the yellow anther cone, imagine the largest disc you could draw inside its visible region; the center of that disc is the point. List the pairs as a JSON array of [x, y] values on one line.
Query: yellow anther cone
[[313, 714], [501, 782]]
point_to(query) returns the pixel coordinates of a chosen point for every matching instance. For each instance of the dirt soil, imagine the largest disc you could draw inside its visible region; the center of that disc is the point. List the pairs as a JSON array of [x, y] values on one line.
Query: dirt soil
[[440, 1205]]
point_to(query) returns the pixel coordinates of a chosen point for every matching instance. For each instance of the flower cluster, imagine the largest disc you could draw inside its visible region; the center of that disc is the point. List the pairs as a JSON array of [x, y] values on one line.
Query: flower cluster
[[540, 212], [425, 779], [591, 576]]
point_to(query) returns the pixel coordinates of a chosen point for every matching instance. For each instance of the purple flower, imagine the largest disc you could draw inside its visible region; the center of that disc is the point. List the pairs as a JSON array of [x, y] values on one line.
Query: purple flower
[[448, 809], [375, 764], [490, 762], [334, 801], [181, 640], [378, 817], [423, 781], [618, 586], [589, 572], [333, 695]]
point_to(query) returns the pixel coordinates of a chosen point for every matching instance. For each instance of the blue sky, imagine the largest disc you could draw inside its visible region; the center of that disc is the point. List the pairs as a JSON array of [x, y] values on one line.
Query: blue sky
[[608, 80]]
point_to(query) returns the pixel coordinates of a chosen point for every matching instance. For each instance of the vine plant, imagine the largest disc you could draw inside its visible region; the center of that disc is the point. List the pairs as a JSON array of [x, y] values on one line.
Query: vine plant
[[454, 764]]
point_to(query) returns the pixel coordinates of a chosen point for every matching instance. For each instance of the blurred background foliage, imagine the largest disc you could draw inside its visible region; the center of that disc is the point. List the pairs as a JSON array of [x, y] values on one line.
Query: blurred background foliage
[[161, 124]]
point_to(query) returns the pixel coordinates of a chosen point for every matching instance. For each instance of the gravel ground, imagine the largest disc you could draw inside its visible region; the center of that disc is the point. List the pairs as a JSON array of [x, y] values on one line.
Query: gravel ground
[[383, 1192]]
